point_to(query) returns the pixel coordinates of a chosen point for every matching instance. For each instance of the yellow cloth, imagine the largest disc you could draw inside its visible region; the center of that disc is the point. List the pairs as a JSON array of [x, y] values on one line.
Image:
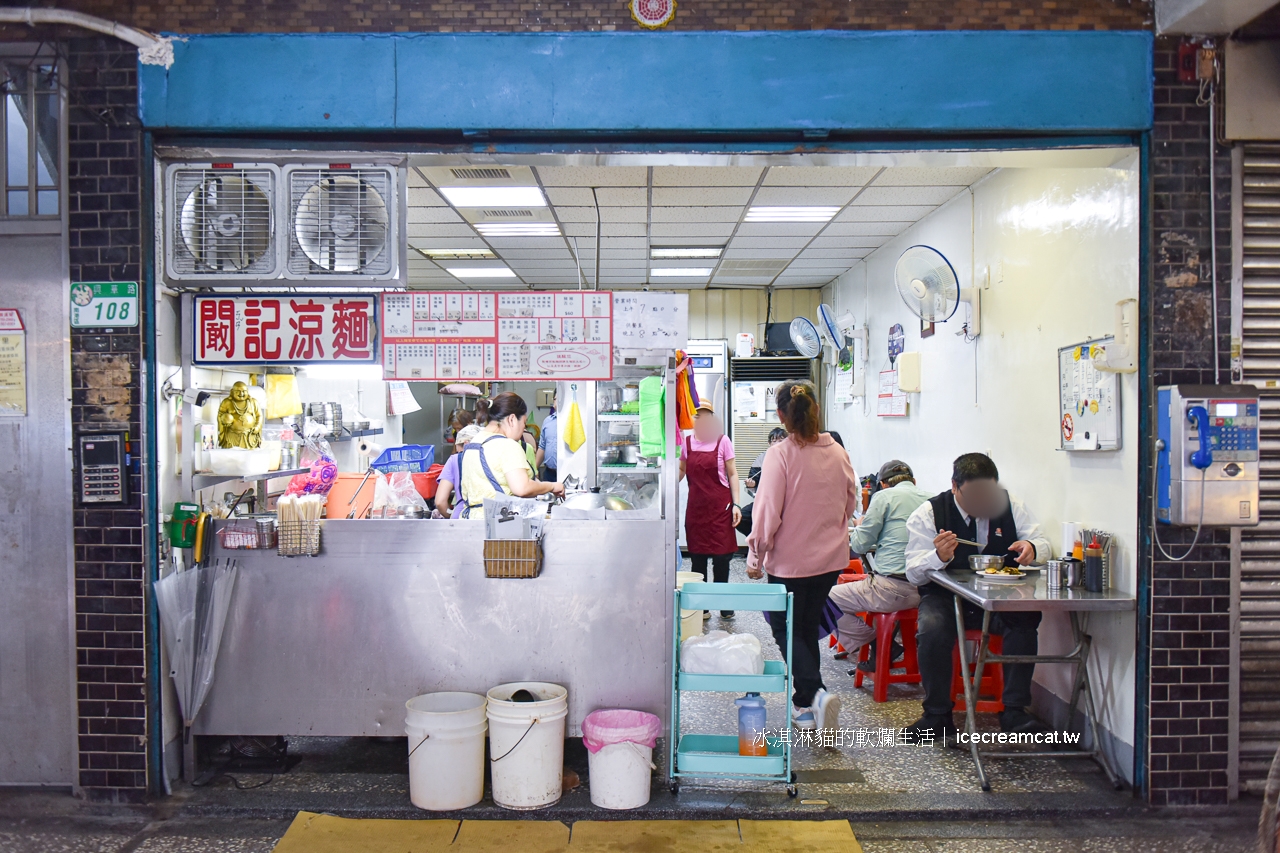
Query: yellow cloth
[[574, 434], [503, 455], [283, 399]]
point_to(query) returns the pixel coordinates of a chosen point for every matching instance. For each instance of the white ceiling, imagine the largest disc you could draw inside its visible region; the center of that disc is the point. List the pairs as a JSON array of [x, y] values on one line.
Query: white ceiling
[[641, 207]]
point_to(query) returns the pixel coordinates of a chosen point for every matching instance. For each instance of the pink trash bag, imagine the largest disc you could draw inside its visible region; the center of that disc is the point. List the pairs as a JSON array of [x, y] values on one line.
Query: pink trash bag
[[616, 725]]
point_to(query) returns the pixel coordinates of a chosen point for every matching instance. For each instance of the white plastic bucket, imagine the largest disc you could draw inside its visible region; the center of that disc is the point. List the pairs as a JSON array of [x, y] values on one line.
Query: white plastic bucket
[[526, 744], [446, 750], [621, 774], [690, 620]]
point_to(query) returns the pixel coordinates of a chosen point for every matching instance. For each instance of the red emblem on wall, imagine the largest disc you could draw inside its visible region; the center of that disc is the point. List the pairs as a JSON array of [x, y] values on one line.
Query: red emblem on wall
[[652, 14]]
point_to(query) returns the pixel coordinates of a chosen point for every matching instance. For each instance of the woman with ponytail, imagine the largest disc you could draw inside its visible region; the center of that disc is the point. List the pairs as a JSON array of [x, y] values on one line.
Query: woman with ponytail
[[800, 539]]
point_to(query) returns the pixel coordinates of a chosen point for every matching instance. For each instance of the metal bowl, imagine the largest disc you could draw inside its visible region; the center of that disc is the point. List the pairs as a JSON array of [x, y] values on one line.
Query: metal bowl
[[982, 562], [607, 456], [629, 454], [617, 504]]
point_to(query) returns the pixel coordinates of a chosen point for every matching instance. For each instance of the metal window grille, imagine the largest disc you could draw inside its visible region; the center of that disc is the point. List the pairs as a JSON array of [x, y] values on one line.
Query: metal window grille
[[30, 137]]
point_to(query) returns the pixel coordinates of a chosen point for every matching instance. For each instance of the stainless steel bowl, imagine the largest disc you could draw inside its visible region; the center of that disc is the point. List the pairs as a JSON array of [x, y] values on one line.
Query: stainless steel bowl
[[982, 562], [629, 454], [607, 456], [617, 504], [585, 500]]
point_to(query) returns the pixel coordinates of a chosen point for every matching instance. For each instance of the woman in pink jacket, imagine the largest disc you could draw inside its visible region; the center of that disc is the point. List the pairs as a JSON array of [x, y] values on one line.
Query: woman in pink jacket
[[808, 493]]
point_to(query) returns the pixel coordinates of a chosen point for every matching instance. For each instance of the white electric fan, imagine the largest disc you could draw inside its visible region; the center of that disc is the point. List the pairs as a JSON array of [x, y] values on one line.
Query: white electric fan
[[928, 285], [805, 338]]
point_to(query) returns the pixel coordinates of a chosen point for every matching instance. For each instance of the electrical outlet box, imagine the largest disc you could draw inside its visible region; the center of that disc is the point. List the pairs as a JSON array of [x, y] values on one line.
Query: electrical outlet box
[[909, 372]]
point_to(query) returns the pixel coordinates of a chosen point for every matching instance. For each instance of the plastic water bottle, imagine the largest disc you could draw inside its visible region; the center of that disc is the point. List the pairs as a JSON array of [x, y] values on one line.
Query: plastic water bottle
[[751, 725]]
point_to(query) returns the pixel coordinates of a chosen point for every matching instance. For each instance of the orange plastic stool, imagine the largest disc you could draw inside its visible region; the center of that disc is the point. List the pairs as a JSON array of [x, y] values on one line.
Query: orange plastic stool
[[884, 623], [992, 683]]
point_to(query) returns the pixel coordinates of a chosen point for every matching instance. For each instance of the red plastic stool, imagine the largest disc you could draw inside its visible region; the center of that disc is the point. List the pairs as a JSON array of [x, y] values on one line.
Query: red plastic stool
[[884, 623], [992, 683]]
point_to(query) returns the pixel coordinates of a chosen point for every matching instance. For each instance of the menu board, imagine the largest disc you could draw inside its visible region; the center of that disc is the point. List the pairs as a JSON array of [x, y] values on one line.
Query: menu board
[[651, 320], [443, 336]]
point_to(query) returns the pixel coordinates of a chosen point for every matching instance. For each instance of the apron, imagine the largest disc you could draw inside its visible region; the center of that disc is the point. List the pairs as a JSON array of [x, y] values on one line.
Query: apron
[[708, 520], [467, 505]]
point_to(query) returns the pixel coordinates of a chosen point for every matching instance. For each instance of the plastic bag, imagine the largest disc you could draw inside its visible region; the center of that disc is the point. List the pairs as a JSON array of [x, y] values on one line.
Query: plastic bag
[[722, 653], [317, 455], [396, 492], [617, 725]]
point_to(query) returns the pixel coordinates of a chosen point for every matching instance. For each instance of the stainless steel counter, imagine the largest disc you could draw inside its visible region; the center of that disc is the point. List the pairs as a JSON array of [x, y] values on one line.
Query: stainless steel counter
[[335, 644], [1029, 594]]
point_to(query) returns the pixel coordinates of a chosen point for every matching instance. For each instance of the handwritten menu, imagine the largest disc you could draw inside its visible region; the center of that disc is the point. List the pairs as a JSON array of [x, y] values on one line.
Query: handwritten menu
[[445, 336], [650, 320]]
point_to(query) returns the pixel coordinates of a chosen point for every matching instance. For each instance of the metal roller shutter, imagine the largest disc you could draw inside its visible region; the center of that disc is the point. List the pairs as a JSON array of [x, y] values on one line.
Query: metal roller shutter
[[1259, 678]]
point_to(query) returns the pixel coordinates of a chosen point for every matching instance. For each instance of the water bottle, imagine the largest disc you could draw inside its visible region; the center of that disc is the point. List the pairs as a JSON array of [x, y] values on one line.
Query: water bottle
[[751, 725]]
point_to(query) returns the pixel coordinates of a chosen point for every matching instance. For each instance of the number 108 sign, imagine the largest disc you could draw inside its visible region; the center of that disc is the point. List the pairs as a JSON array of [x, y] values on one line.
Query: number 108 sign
[[104, 304]]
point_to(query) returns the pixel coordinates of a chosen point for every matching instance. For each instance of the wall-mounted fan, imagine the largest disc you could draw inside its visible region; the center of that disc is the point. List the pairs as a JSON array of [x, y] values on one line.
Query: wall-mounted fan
[[805, 338], [340, 222], [220, 222], [929, 286]]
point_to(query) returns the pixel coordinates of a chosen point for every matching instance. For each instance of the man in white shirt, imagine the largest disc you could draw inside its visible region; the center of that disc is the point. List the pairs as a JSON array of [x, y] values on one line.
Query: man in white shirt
[[978, 509]]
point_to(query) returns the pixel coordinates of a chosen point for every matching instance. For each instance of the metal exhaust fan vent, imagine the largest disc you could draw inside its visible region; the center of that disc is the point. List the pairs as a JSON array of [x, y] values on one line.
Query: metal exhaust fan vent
[[340, 222], [223, 224]]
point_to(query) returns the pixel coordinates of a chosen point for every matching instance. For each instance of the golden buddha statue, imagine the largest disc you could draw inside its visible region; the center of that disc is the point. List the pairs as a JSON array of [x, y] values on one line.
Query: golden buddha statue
[[240, 420]]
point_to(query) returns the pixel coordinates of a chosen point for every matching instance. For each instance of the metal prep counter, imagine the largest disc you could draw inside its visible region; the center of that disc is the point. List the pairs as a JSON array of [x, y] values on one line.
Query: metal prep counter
[[334, 645]]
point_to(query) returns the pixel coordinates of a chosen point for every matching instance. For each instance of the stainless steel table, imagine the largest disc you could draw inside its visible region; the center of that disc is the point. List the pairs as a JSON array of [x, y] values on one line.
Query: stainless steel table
[[1030, 594]]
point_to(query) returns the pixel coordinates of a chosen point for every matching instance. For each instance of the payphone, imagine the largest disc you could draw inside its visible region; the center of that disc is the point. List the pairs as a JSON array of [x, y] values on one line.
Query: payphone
[[1207, 455], [102, 467]]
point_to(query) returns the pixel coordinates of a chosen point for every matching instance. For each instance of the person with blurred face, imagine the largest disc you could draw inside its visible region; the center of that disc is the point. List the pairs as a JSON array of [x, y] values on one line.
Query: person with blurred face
[[976, 508], [707, 462]]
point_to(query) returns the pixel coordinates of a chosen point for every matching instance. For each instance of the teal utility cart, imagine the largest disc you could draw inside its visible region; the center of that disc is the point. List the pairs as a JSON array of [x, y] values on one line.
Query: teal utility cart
[[716, 756]]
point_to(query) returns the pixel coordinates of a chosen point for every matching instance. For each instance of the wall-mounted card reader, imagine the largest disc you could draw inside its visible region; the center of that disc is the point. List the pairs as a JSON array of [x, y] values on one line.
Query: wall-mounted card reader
[[102, 474], [1207, 455]]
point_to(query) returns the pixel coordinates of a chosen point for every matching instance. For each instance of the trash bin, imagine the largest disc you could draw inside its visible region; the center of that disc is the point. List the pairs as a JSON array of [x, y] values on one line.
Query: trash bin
[[620, 756], [446, 750], [526, 743]]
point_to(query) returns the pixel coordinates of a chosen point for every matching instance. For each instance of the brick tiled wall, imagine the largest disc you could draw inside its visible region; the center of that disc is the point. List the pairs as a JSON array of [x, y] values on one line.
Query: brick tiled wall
[[1190, 599], [104, 211], [322, 16]]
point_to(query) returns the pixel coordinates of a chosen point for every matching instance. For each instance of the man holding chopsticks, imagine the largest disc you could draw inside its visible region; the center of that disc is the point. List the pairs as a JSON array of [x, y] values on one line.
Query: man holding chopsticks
[[976, 516]]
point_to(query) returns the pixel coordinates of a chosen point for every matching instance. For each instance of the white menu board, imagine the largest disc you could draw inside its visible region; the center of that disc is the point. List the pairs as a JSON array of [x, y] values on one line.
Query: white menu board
[[444, 336], [650, 320]]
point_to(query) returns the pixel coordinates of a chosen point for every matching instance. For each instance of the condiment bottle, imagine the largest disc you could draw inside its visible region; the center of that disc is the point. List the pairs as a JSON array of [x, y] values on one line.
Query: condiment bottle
[[1093, 566], [1077, 550]]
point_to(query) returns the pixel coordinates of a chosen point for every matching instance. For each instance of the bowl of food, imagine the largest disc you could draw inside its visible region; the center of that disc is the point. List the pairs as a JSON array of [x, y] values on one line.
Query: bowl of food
[[982, 562]]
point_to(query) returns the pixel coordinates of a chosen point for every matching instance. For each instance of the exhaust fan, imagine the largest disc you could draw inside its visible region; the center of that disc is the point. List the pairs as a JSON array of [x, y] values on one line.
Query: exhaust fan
[[341, 223], [220, 223]]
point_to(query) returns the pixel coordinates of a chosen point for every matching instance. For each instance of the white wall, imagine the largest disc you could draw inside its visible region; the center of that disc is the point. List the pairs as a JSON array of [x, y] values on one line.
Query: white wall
[[1062, 247]]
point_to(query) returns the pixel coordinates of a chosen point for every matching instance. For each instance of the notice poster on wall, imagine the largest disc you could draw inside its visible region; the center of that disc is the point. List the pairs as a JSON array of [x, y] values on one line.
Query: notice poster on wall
[[650, 320], [296, 329], [890, 402], [13, 364], [1089, 399], [451, 336]]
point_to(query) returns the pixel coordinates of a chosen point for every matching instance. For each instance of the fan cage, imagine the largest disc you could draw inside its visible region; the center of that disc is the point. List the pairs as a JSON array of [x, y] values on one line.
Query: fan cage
[[343, 228], [222, 222]]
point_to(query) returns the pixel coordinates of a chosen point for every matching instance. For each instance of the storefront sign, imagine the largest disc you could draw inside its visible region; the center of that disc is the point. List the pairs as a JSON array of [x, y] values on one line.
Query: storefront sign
[[447, 336], [104, 305], [13, 364], [287, 329]]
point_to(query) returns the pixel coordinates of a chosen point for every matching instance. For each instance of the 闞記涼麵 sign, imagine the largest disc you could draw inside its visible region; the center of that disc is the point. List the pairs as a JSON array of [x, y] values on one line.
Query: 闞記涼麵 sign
[[290, 329]]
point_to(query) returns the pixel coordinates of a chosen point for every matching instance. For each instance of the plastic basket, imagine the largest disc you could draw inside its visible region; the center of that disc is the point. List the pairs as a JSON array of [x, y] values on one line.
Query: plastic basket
[[512, 558], [414, 458], [298, 538]]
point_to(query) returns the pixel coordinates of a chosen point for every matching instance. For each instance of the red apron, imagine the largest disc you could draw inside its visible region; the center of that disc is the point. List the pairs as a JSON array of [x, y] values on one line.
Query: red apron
[[708, 520]]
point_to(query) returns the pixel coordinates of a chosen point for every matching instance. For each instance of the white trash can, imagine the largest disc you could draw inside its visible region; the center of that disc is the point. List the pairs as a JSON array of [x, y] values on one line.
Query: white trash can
[[446, 750], [690, 620], [526, 744], [620, 756]]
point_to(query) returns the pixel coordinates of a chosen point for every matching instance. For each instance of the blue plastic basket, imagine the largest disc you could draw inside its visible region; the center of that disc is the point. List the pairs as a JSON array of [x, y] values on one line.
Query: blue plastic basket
[[415, 458]]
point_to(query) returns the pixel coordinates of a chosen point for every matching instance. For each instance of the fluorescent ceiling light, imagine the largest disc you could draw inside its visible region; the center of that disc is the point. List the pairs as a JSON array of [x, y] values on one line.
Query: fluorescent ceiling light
[[680, 272], [686, 252], [481, 272], [456, 254], [494, 196], [518, 229], [791, 214]]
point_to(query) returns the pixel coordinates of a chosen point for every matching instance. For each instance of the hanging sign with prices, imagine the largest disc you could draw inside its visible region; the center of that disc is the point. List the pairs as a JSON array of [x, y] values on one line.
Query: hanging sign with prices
[[13, 363], [471, 335], [104, 305], [288, 329]]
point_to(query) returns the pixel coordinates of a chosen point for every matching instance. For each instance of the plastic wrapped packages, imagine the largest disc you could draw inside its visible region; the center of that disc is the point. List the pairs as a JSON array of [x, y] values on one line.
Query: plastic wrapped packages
[[722, 653], [317, 455], [395, 494]]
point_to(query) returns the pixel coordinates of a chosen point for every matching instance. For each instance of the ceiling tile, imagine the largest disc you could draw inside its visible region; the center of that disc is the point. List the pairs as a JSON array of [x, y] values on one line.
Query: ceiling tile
[[437, 229], [804, 280], [742, 279], [577, 214], [779, 229], [624, 214], [593, 176], [797, 196], [586, 231], [552, 243], [839, 254], [735, 252], [839, 227], [693, 233], [607, 254], [742, 241], [535, 254], [623, 243], [907, 195], [705, 176], [423, 196], [622, 229], [883, 213], [696, 214], [820, 176], [854, 241], [622, 196], [432, 214], [701, 196], [912, 176], [570, 196]]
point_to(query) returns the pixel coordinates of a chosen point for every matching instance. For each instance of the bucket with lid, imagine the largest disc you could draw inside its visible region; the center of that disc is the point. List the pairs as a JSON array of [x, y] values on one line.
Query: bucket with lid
[[446, 750], [526, 743], [690, 620]]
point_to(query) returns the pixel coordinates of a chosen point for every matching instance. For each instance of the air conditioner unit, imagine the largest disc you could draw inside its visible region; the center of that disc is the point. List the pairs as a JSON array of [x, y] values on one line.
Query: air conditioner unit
[[220, 221], [343, 223]]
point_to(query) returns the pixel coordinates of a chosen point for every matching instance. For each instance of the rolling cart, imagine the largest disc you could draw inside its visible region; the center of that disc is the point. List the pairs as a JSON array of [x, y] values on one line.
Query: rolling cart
[[716, 756]]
